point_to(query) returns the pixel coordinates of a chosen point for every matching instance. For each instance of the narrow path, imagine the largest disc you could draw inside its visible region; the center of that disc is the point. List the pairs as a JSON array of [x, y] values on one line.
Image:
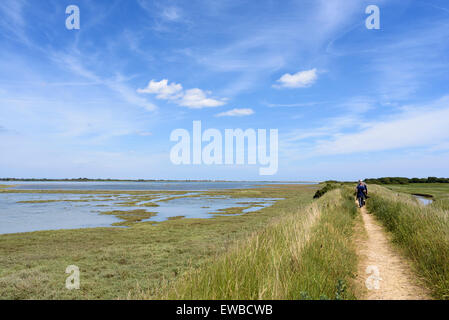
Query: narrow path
[[384, 273]]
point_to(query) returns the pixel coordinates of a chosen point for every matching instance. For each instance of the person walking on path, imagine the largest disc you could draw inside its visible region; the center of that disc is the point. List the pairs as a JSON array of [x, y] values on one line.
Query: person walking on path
[[361, 191]]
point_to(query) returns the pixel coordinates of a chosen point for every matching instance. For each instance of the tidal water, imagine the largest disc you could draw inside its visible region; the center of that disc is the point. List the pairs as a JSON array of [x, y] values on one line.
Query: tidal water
[[53, 211], [144, 186], [425, 201]]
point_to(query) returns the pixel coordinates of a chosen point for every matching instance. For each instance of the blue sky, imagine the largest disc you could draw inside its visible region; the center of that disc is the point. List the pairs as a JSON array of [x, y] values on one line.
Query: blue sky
[[101, 101]]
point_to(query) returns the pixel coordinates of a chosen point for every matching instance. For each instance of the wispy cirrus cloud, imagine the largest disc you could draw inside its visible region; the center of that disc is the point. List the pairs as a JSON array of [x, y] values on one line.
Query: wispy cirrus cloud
[[13, 23], [416, 126], [171, 13], [413, 128], [236, 113], [294, 105], [117, 84], [64, 91], [165, 17]]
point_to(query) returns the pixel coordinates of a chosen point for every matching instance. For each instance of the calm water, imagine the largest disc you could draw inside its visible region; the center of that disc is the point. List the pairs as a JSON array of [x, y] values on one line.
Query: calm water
[[74, 211], [134, 186], [17, 217], [425, 201]]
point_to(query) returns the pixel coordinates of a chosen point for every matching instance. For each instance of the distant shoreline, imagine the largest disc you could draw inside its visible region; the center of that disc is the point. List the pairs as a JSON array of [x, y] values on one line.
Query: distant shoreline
[[140, 180]]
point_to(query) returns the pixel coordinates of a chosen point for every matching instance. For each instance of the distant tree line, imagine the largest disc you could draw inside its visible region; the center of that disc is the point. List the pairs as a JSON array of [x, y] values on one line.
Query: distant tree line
[[110, 180], [401, 180]]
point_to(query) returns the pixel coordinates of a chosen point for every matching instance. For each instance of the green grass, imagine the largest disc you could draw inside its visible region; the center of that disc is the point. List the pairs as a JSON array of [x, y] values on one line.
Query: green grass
[[422, 231], [295, 249], [119, 262], [232, 210], [441, 204], [436, 190], [130, 217], [305, 253]]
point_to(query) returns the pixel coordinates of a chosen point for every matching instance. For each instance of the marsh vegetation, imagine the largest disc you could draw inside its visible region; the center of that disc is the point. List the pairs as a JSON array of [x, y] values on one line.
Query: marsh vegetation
[[295, 248], [116, 262]]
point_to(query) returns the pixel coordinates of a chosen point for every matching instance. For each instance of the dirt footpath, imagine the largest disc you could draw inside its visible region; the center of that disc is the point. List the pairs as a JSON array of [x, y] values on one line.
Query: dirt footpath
[[383, 272]]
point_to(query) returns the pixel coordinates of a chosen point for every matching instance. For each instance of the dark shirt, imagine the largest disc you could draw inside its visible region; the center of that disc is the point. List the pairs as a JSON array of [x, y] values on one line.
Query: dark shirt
[[361, 190]]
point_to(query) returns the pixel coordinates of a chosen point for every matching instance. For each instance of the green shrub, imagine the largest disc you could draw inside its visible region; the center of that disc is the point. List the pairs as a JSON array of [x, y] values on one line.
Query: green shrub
[[402, 180], [328, 187]]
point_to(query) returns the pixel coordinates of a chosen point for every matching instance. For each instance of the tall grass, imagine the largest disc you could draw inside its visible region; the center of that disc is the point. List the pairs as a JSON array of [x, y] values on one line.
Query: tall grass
[[304, 254], [423, 232], [441, 204]]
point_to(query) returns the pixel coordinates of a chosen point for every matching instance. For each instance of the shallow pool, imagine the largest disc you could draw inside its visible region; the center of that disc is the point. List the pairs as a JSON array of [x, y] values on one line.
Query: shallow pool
[[26, 212], [424, 200]]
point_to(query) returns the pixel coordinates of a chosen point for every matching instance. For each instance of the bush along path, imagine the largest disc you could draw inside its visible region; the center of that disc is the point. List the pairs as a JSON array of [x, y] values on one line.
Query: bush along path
[[383, 272]]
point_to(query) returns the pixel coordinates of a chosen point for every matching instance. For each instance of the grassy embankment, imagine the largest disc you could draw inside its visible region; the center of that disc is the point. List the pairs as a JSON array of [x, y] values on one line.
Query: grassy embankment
[[113, 261], [435, 190], [305, 253], [422, 231], [439, 192]]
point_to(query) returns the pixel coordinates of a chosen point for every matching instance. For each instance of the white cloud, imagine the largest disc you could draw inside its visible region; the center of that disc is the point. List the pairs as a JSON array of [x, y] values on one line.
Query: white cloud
[[145, 133], [415, 127], [163, 89], [191, 98], [291, 105], [236, 113], [300, 79], [171, 13], [197, 98], [418, 127]]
